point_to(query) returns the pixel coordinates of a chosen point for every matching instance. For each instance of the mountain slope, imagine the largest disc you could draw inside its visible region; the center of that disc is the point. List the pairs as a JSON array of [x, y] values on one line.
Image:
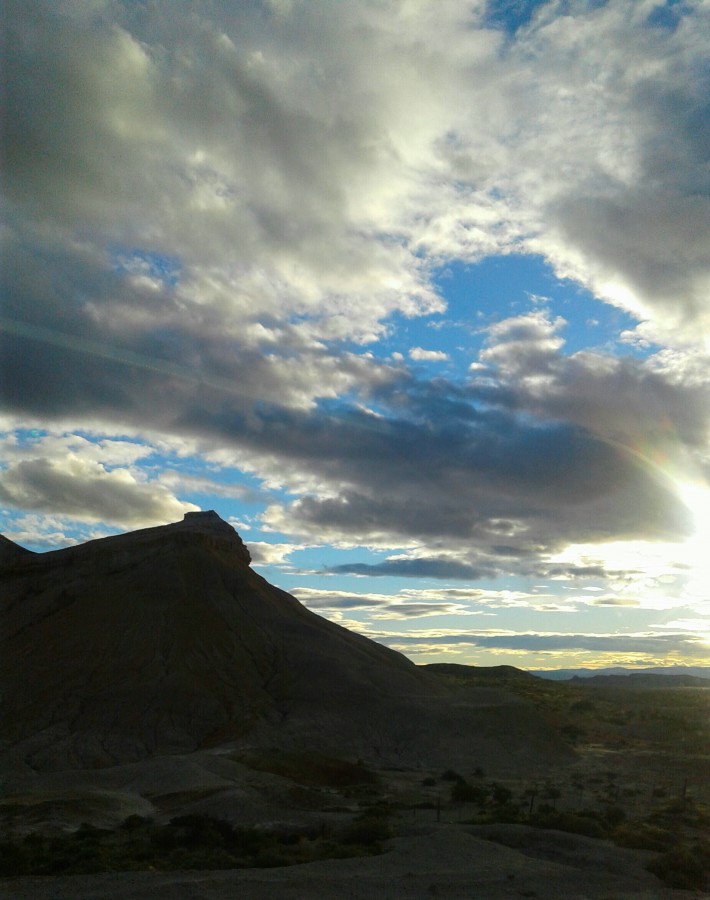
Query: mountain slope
[[165, 640]]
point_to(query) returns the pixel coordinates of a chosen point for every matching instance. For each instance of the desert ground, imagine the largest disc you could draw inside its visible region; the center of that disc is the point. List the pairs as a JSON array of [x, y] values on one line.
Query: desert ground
[[427, 861], [640, 768]]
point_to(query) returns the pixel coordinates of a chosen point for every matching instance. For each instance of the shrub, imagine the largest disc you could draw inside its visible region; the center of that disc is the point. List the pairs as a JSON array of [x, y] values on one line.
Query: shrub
[[682, 867], [202, 831], [571, 733], [614, 815], [506, 812], [132, 823], [500, 794], [450, 775], [463, 792], [642, 836], [187, 842]]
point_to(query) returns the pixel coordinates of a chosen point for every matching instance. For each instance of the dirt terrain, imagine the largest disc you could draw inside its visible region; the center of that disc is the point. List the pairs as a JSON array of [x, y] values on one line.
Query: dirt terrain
[[434, 833]]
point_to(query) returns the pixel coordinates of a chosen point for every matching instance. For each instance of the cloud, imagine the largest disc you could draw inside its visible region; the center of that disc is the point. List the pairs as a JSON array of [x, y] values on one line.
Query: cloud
[[263, 554], [87, 481], [318, 599], [614, 601], [504, 484], [43, 532], [634, 226], [58, 445], [621, 399], [304, 168], [295, 142], [415, 568], [181, 482], [224, 198], [408, 611], [419, 355], [403, 605], [651, 644]]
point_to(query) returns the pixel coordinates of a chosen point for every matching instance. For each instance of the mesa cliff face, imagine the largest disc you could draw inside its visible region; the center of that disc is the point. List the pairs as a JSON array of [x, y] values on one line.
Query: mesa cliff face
[[166, 641]]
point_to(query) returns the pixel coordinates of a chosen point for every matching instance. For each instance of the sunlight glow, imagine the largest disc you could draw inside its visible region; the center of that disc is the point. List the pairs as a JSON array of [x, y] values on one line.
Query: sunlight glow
[[697, 547], [659, 575]]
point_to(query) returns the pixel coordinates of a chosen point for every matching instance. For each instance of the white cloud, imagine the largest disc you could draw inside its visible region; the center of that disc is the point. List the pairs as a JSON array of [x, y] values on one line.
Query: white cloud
[[182, 482], [55, 445], [263, 554], [71, 477], [419, 354], [271, 155], [47, 532]]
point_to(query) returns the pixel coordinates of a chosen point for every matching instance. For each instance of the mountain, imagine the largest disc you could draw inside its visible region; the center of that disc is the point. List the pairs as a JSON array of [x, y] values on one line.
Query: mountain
[[10, 552], [165, 641], [663, 672], [642, 680]]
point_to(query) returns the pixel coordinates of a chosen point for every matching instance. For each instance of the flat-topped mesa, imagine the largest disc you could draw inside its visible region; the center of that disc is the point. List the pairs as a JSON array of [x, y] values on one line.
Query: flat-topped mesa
[[165, 641], [206, 522], [213, 531], [205, 529]]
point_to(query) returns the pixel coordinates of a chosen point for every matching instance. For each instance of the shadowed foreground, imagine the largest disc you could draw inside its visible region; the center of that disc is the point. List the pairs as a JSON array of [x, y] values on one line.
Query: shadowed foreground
[[154, 677], [434, 861]]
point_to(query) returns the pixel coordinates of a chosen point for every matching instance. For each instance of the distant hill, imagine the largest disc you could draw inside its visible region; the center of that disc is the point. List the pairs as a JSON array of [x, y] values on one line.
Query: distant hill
[[488, 674], [165, 641], [641, 680], [658, 675]]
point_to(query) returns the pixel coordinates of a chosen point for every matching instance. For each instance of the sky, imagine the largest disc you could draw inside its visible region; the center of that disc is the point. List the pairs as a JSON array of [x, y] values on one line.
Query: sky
[[414, 293]]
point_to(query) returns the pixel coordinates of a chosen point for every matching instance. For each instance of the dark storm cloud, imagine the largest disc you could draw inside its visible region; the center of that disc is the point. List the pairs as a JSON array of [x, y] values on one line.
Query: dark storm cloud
[[651, 644], [555, 482], [342, 602], [402, 606], [416, 568], [492, 562], [453, 469]]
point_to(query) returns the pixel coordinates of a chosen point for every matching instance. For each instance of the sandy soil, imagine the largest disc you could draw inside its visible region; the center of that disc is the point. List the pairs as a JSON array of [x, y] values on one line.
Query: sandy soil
[[444, 861]]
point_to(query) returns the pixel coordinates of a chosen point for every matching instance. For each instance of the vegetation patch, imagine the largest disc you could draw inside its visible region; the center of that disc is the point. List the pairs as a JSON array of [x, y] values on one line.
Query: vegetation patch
[[677, 831], [686, 866], [186, 842]]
